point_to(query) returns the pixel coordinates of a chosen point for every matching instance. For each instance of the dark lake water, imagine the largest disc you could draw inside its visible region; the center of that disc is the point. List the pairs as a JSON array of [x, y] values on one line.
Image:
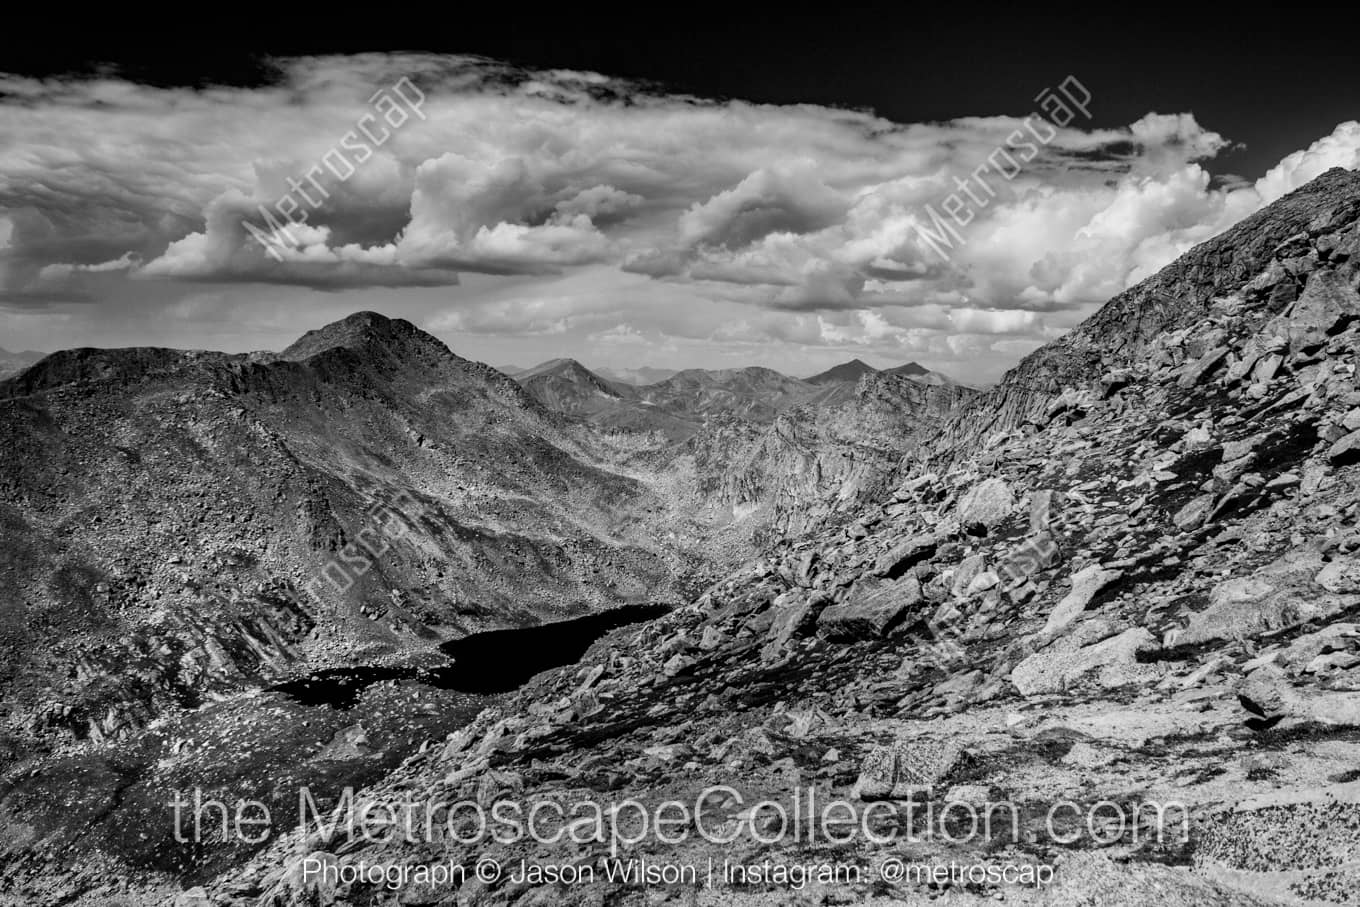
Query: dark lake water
[[496, 661]]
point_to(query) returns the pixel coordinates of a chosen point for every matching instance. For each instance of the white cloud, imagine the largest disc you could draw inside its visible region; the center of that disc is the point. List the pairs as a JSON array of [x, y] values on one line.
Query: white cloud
[[698, 219], [1340, 149]]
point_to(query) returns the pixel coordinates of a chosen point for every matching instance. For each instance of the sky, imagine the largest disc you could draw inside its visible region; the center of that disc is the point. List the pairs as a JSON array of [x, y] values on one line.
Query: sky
[[791, 195]]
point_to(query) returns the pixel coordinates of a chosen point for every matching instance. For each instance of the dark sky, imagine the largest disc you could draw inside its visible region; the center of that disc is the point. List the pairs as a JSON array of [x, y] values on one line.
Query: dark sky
[[1272, 78]]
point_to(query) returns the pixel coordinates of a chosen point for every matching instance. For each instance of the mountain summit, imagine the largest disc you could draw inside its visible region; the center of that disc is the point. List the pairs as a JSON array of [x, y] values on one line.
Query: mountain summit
[[846, 371], [567, 386], [362, 331]]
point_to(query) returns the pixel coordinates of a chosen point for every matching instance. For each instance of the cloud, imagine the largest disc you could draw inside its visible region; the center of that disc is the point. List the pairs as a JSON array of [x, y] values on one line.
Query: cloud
[[1340, 149], [226, 251], [797, 224], [767, 201]]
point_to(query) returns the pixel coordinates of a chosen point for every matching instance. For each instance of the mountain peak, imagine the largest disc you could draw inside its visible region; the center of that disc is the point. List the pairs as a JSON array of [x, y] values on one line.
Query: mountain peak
[[360, 331], [566, 385], [560, 366], [847, 371]]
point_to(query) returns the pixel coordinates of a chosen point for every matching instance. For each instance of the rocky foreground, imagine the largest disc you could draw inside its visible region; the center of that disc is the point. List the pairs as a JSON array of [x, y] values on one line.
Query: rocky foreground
[[1127, 581]]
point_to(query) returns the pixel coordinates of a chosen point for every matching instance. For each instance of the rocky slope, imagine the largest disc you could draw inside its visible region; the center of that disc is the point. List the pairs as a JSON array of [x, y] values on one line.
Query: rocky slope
[[1135, 582], [821, 461]]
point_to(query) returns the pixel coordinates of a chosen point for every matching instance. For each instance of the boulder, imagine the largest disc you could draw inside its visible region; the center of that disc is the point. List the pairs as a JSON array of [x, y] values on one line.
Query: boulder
[[793, 615], [986, 504], [985, 580], [1198, 370], [1194, 513], [1326, 301], [1341, 576], [1085, 584], [1251, 353], [1110, 663], [1236, 450], [193, 897], [1272, 696], [905, 768], [1302, 651], [900, 558], [1278, 595], [967, 570], [1345, 451], [1114, 381], [1038, 552], [873, 608], [1265, 369]]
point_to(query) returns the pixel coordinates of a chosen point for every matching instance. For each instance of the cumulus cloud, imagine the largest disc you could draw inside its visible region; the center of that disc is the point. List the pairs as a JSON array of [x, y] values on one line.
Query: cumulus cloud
[[797, 224]]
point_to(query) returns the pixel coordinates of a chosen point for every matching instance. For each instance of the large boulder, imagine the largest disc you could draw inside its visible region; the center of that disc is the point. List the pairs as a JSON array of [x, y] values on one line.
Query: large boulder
[[1085, 584], [1107, 664], [1346, 450], [900, 558], [986, 504], [1200, 369], [905, 769], [1272, 696], [1327, 300], [1341, 576], [794, 614], [873, 608], [1278, 595]]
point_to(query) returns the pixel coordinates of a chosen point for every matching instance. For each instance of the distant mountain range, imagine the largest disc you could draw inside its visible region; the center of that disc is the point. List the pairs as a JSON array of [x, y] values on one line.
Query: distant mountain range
[[846, 372], [679, 404], [857, 368], [797, 450]]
